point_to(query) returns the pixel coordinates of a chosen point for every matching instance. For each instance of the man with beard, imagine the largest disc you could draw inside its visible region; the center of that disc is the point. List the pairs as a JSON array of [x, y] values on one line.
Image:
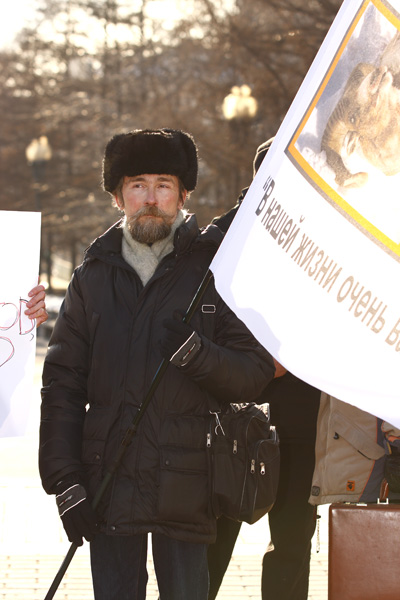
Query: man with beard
[[122, 315]]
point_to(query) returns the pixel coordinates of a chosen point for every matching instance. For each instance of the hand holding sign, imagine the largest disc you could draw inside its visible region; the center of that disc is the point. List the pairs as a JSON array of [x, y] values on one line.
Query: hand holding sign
[[36, 307]]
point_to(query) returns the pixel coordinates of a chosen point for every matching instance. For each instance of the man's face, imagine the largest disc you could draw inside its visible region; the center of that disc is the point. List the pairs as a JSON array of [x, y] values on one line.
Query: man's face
[[151, 204]]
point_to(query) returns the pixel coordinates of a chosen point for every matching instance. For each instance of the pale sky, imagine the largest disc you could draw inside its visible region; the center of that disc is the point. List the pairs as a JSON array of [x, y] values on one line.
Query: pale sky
[[12, 18], [15, 13]]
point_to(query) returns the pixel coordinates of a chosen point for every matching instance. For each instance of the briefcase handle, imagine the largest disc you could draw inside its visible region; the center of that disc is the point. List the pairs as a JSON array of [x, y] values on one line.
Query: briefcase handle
[[384, 492]]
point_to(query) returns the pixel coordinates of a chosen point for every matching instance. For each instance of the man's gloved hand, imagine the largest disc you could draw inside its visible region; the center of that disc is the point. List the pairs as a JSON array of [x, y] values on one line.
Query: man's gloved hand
[[180, 342], [77, 515]]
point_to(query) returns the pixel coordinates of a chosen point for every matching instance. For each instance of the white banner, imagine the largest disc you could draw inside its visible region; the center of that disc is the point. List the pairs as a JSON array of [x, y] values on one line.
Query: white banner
[[311, 262], [19, 247]]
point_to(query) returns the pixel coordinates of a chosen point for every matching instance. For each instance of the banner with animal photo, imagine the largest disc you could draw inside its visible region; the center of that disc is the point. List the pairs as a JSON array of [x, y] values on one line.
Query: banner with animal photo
[[311, 262], [20, 248]]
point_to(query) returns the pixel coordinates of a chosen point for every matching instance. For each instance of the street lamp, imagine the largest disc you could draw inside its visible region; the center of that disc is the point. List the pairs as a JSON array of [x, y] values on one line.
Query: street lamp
[[240, 104], [38, 153]]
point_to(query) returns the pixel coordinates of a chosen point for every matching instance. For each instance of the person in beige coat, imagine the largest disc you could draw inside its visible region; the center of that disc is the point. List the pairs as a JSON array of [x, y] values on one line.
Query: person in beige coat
[[354, 453]]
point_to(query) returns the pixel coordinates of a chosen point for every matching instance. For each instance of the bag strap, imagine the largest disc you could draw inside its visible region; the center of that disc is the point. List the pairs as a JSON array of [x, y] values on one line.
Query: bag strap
[[208, 310]]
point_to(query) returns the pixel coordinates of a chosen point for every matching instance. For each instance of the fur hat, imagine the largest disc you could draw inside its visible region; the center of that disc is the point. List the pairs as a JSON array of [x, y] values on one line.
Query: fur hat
[[260, 154], [168, 151]]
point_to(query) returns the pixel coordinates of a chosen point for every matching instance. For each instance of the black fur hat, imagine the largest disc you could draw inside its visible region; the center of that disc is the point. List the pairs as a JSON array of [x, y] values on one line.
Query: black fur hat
[[168, 151], [260, 154]]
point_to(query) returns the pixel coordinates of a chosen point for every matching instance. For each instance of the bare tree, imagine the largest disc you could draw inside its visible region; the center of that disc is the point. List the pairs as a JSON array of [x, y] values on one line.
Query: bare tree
[[78, 89]]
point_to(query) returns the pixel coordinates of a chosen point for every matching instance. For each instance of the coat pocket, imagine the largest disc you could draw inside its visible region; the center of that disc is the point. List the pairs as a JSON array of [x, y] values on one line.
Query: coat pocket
[[184, 485], [92, 459], [95, 431]]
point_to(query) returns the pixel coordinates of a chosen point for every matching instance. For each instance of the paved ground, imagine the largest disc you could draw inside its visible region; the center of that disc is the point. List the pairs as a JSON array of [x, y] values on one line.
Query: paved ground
[[33, 544]]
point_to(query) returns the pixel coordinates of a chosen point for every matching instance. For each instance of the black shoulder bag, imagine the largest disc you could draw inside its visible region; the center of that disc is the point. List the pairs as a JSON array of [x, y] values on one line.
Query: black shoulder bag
[[244, 462]]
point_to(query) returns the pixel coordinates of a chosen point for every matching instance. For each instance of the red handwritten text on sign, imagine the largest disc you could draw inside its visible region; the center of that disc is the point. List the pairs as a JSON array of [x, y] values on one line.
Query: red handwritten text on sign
[[11, 317]]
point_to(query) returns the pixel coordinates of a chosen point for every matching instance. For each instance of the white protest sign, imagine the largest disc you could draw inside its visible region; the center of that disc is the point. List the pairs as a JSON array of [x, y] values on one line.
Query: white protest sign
[[311, 262], [20, 248]]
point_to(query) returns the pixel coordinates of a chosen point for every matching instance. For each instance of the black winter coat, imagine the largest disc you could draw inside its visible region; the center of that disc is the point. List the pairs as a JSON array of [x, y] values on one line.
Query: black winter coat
[[103, 354]]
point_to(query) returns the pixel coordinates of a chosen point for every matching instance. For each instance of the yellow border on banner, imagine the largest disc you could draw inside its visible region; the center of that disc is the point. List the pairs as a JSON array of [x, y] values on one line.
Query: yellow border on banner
[[313, 175]]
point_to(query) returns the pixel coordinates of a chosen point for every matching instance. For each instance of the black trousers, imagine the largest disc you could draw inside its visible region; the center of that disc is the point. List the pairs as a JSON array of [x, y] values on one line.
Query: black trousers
[[286, 563]]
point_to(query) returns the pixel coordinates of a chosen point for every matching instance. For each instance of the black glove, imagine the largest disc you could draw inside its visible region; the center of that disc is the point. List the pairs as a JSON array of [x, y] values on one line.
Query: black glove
[[77, 515], [180, 342]]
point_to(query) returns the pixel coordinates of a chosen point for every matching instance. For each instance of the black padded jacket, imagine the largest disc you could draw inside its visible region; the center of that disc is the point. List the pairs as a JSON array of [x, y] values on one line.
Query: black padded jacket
[[102, 357]]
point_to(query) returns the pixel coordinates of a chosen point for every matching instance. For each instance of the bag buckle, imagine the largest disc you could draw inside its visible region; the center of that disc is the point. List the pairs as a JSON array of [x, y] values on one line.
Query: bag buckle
[[208, 309], [218, 425]]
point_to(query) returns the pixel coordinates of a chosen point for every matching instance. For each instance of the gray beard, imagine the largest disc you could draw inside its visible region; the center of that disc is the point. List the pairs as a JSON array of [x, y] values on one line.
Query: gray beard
[[149, 230]]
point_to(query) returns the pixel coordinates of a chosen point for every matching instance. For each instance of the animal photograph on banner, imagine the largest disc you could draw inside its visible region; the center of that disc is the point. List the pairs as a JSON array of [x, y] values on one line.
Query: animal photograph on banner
[[348, 143]]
